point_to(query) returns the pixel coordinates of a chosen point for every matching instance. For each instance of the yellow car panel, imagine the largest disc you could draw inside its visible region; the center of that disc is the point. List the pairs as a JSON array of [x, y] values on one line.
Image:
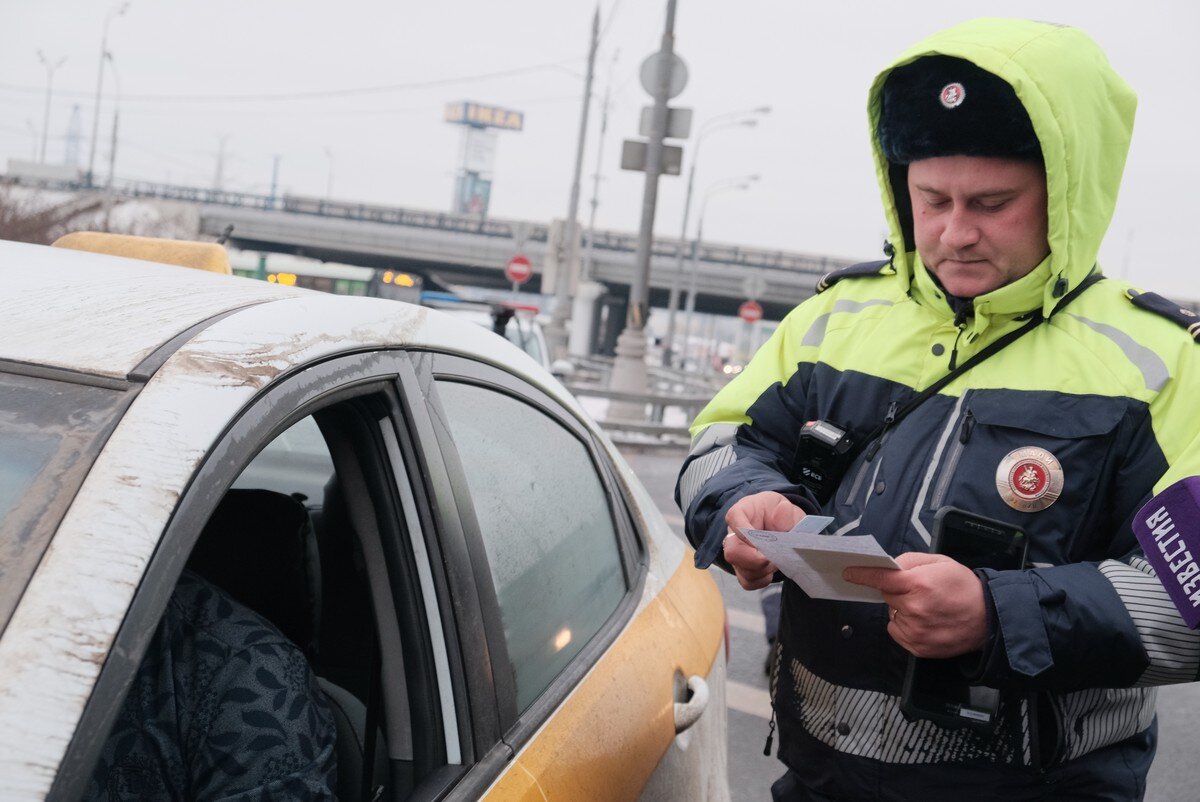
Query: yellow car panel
[[598, 748]]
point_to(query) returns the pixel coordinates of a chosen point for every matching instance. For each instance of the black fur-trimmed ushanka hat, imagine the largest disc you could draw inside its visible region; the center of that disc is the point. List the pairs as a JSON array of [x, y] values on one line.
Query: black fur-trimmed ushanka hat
[[946, 106]]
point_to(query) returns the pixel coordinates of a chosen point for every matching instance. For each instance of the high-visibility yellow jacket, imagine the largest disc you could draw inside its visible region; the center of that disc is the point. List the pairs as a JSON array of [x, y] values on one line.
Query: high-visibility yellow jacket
[[1107, 389]]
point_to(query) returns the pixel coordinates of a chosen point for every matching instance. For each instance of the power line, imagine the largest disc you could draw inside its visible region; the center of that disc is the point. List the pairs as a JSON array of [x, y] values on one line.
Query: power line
[[315, 95]]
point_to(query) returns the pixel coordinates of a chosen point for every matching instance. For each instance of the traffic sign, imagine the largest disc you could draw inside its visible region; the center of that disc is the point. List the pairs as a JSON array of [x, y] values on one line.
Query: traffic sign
[[754, 286], [519, 269], [750, 311], [633, 157], [653, 67]]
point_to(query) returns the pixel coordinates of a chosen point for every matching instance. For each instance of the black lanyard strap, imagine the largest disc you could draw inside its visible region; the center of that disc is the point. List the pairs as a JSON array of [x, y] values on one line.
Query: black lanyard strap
[[894, 416]]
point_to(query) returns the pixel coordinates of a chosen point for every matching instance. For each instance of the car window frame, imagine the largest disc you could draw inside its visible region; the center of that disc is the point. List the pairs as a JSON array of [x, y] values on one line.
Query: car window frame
[[519, 727], [301, 392]]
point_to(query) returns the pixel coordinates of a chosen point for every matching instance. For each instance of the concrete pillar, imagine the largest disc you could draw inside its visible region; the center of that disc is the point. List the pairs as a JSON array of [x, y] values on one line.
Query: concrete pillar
[[583, 314], [615, 311], [629, 374]]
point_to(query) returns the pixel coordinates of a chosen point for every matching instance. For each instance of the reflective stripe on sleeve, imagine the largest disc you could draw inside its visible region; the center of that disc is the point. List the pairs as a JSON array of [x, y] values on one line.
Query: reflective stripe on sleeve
[[711, 451], [1173, 649]]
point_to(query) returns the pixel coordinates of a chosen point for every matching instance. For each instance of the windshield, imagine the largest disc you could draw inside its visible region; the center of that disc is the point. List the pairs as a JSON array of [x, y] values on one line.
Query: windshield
[[520, 332], [50, 432]]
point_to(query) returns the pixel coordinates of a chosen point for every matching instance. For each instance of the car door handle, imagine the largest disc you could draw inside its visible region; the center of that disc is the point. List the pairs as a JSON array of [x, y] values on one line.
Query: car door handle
[[689, 712]]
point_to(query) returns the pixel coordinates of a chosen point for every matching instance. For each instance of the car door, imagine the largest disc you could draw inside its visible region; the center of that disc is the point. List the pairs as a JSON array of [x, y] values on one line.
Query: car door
[[430, 714], [589, 661]]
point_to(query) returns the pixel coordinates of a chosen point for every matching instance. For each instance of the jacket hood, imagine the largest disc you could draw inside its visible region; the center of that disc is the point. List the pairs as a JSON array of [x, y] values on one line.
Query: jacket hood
[[1082, 113]]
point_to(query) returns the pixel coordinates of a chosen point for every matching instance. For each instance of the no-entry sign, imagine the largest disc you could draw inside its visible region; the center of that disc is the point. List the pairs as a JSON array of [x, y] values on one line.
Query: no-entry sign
[[750, 311], [519, 269]]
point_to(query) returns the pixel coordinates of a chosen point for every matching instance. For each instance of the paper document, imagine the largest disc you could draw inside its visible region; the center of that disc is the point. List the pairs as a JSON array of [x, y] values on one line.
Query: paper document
[[815, 562]]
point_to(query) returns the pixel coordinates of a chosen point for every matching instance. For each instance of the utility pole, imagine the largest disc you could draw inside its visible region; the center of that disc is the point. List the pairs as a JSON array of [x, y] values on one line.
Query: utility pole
[[219, 173], [587, 291], [721, 121], [586, 271], [116, 11], [568, 261], [629, 368], [329, 175], [112, 164], [274, 181], [50, 70]]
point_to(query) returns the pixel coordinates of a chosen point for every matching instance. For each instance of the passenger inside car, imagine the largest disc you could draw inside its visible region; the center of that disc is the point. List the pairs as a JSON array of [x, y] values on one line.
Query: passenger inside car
[[223, 706], [291, 553]]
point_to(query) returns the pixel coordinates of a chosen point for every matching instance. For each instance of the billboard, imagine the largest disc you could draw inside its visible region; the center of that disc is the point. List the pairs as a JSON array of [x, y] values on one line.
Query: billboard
[[481, 116]]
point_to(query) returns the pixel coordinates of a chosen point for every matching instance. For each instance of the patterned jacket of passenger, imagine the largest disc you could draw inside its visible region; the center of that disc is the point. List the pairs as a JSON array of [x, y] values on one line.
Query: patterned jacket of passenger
[[222, 707]]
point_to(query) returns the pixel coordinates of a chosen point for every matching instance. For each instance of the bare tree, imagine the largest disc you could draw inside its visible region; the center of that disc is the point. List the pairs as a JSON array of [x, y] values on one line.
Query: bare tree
[[31, 216]]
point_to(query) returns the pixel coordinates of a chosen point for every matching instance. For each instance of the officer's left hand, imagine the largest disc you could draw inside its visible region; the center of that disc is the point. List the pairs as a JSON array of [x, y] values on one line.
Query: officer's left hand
[[935, 604]]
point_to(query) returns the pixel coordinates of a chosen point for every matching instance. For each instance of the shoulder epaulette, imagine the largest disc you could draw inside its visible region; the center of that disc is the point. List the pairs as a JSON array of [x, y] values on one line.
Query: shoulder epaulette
[[1153, 302], [853, 271]]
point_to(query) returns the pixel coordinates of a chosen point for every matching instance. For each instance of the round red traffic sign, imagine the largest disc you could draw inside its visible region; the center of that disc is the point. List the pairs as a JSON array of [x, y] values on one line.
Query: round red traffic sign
[[750, 311], [519, 269]]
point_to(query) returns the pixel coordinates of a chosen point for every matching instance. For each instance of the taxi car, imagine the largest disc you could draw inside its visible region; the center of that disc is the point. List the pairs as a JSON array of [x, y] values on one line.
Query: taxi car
[[471, 542]]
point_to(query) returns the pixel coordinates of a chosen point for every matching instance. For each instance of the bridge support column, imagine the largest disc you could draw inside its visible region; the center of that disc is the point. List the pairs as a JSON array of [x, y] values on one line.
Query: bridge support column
[[582, 316], [609, 324], [629, 374]]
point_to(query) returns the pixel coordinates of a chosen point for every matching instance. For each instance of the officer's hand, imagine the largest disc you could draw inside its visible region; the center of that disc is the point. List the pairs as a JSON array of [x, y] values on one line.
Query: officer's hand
[[767, 510], [935, 604]]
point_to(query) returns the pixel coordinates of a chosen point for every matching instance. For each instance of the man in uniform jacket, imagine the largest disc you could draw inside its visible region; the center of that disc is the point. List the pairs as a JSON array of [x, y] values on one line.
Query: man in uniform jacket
[[999, 147]]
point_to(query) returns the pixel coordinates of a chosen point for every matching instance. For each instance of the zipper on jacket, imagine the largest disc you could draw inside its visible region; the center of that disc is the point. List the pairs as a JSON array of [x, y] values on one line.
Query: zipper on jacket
[[888, 419], [772, 687], [968, 426], [965, 427], [960, 323]]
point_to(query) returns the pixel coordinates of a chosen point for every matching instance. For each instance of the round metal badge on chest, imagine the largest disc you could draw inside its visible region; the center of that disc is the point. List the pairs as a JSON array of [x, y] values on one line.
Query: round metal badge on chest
[[1029, 479]]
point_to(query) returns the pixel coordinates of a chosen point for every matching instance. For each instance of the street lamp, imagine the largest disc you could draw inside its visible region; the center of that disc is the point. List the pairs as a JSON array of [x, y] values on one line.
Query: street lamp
[[724, 185], [50, 68], [112, 153], [733, 119], [329, 175], [116, 11]]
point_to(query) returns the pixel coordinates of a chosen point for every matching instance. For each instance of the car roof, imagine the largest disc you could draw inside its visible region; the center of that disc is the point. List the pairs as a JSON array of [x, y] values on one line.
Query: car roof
[[106, 316]]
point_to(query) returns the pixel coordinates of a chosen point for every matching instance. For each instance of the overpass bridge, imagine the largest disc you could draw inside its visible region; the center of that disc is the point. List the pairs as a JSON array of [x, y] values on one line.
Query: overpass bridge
[[448, 248]]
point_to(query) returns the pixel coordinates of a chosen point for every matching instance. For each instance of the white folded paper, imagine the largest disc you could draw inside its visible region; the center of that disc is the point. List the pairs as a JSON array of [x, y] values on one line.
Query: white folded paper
[[815, 562]]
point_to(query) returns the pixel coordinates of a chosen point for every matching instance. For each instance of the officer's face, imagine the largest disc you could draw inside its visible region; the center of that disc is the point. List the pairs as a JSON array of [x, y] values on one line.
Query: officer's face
[[980, 223]]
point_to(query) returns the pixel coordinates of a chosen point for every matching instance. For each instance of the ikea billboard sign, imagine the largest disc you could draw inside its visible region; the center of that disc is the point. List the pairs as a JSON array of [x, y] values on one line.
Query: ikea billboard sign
[[481, 116]]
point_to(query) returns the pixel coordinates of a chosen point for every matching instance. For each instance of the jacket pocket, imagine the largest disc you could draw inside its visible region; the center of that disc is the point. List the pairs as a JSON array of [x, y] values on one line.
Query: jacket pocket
[[1034, 459]]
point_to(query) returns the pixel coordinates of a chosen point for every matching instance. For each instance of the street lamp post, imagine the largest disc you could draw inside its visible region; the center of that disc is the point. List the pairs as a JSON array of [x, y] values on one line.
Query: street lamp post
[[724, 185], [112, 152], [567, 264], [329, 175], [733, 119], [629, 368], [115, 11], [50, 68]]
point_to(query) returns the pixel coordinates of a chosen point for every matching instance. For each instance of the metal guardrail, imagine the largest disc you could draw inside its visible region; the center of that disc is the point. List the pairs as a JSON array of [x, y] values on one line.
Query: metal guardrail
[[651, 433]]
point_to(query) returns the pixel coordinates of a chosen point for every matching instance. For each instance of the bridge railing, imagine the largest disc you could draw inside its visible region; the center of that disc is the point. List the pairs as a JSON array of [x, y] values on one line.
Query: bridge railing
[[615, 241]]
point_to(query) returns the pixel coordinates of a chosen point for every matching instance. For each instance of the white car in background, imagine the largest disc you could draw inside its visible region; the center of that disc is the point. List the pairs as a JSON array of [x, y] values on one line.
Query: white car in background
[[559, 648], [520, 325]]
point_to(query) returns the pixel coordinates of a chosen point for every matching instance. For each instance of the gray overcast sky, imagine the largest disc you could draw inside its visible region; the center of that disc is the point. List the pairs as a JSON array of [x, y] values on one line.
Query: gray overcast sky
[[812, 62]]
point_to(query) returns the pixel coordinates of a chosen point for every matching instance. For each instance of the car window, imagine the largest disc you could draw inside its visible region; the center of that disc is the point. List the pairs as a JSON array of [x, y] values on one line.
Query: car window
[[546, 525], [295, 463], [50, 432]]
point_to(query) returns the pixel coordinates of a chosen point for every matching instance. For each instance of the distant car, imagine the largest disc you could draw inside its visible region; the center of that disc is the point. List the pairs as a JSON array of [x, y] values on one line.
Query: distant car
[[540, 631], [520, 325]]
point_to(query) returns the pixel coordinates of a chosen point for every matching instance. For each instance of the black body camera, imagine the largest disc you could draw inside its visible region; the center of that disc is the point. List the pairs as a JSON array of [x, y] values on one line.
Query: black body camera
[[825, 453]]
